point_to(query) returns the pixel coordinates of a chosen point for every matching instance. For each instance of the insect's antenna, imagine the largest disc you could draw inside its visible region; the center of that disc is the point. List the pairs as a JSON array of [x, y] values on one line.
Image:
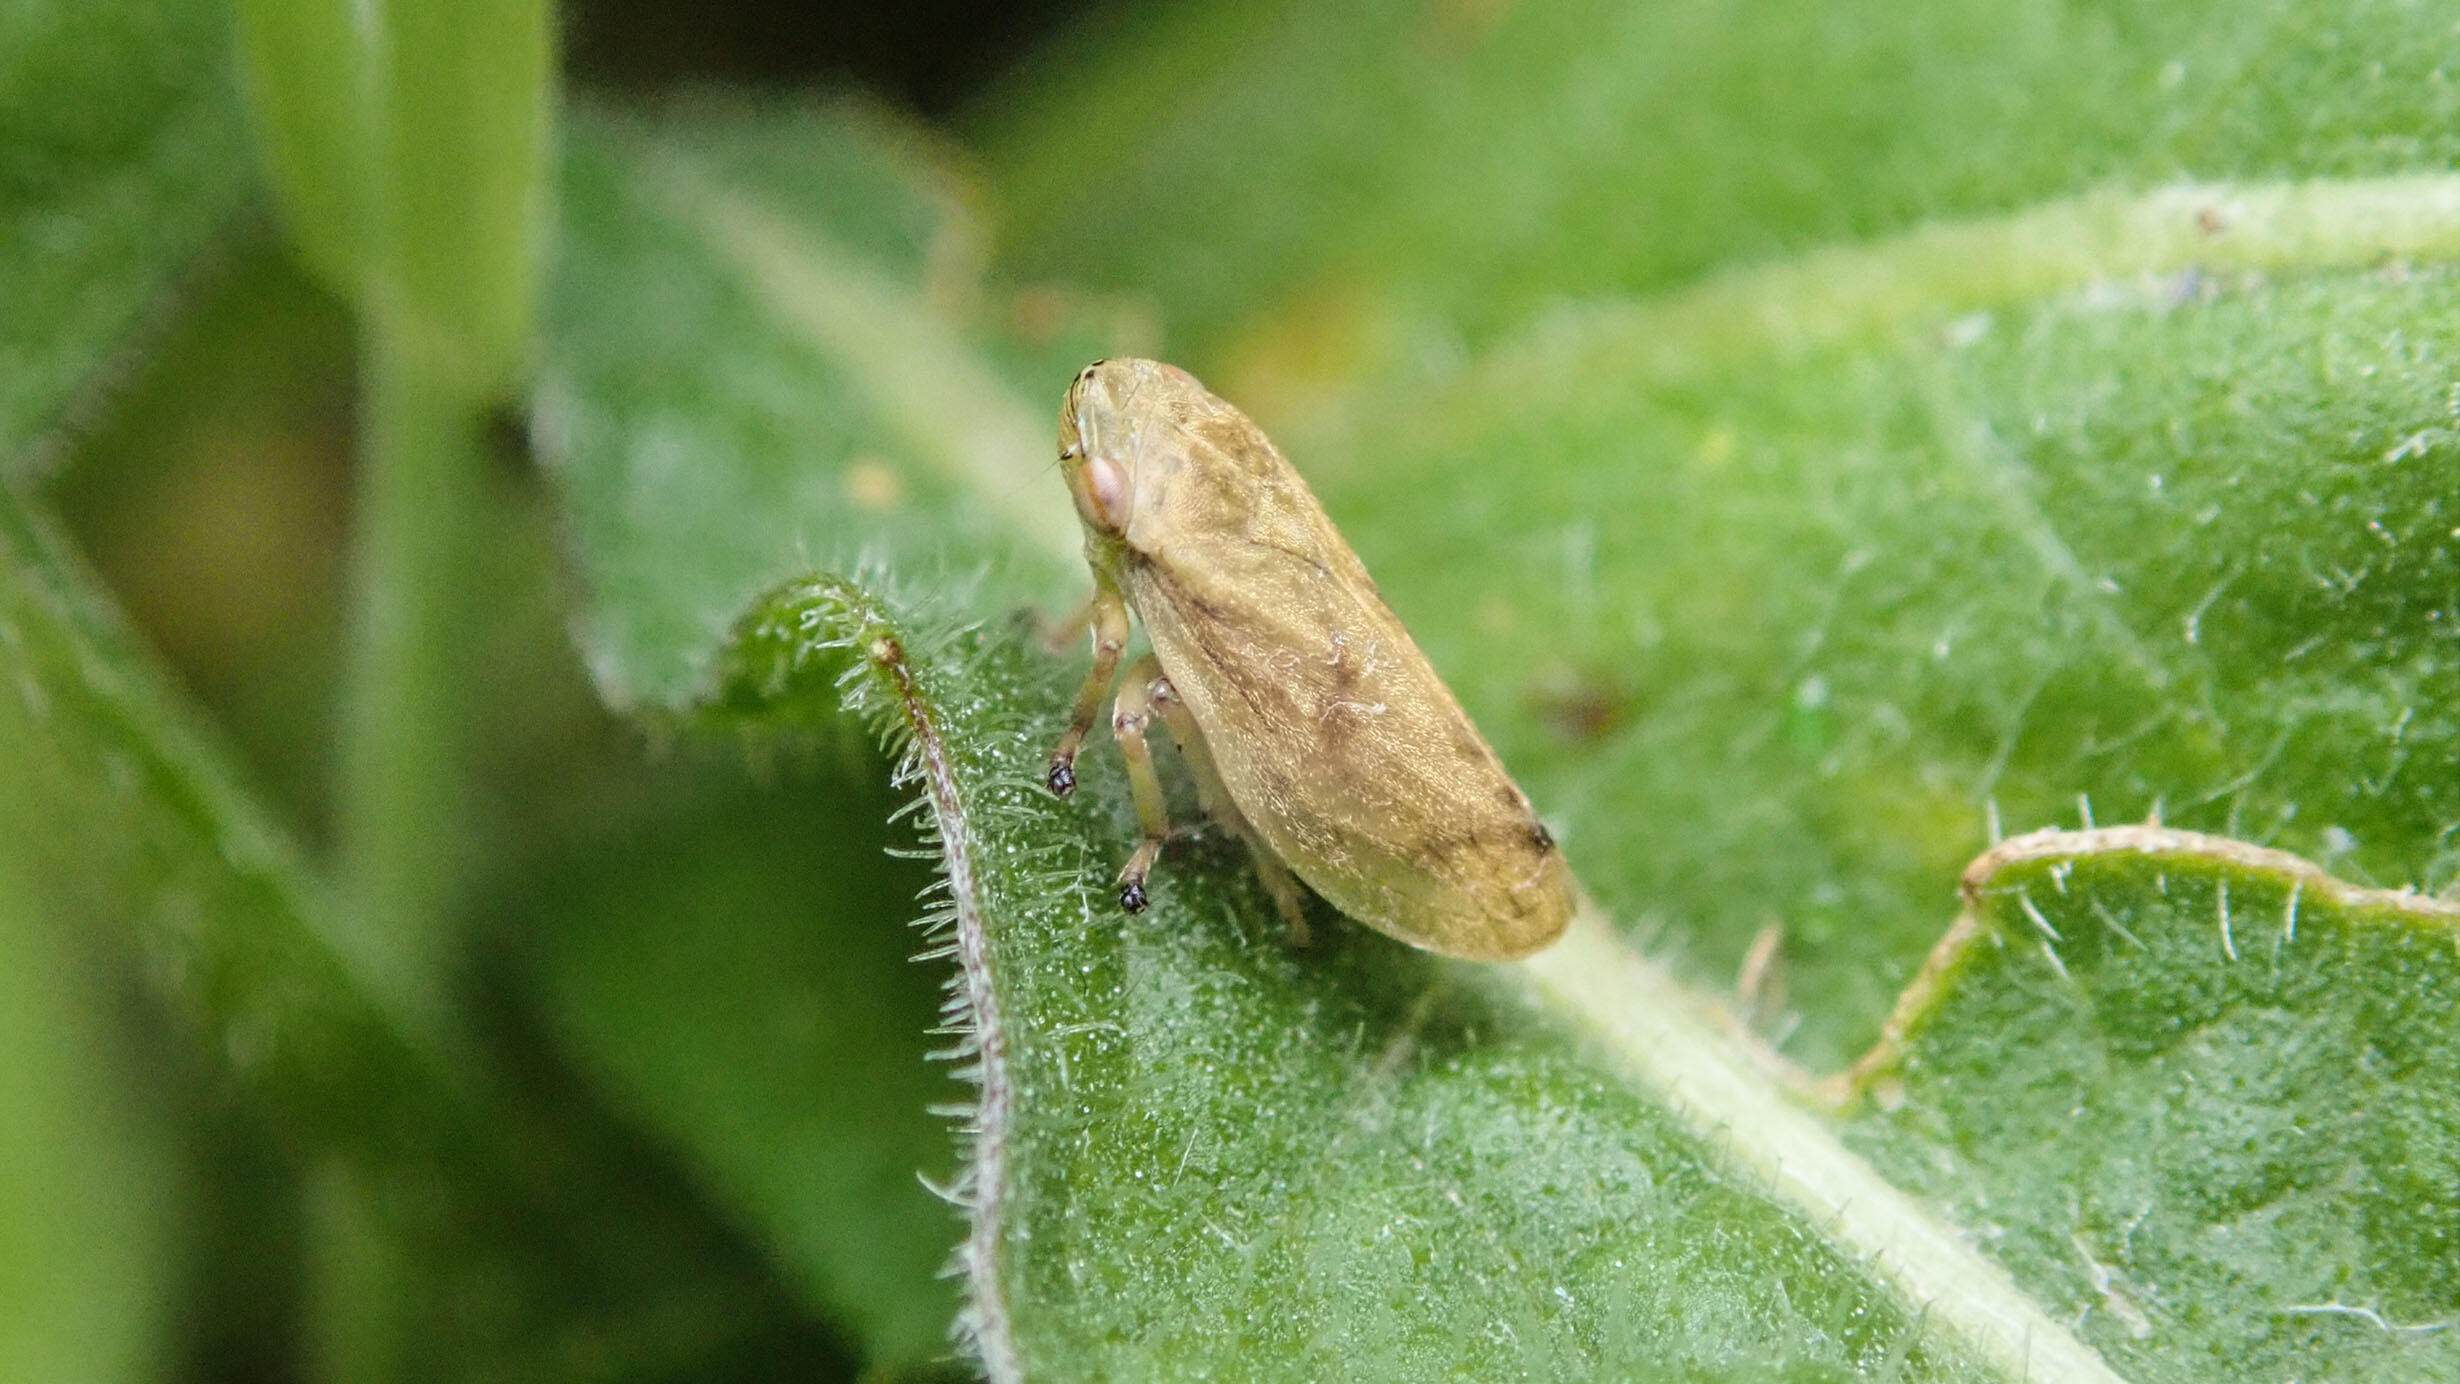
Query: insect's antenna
[[1020, 487]]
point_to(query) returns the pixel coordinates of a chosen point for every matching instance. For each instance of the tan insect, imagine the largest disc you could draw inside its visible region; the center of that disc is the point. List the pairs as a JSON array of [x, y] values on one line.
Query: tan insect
[[1313, 725]]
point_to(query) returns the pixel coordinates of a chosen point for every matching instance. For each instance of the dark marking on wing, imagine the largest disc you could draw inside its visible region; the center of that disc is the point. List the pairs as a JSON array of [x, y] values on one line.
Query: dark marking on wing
[[1305, 559], [1187, 599], [1204, 623]]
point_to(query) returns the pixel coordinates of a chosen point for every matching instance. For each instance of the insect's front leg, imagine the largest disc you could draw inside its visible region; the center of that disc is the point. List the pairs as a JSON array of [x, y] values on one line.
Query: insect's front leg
[[1143, 686], [1107, 614]]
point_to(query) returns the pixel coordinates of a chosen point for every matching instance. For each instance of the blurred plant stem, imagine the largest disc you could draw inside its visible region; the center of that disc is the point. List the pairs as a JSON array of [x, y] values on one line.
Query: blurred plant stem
[[408, 144], [407, 686]]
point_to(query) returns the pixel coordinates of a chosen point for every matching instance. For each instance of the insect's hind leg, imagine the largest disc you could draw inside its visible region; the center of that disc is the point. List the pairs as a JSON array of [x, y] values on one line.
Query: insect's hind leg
[[1278, 881], [1284, 887], [1130, 715], [1107, 614]]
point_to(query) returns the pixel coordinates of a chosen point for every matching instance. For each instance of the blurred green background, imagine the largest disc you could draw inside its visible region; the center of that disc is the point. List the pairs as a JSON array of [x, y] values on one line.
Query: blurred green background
[[156, 1227]]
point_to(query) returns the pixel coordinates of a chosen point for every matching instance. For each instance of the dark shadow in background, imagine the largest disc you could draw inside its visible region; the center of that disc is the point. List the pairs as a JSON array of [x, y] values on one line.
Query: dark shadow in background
[[929, 55]]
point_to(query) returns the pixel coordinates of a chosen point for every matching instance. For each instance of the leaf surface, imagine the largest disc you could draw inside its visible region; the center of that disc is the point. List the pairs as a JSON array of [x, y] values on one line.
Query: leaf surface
[[124, 154], [736, 975], [1197, 1150], [1416, 177], [2164, 1073], [2051, 493]]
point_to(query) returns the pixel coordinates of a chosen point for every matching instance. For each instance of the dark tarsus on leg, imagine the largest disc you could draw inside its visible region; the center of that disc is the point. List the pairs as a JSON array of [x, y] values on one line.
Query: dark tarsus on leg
[[1143, 686], [1106, 613]]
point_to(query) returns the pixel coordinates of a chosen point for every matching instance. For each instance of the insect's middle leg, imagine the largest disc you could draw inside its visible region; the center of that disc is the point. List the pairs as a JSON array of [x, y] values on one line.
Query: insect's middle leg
[[1138, 692], [1215, 797], [1107, 615]]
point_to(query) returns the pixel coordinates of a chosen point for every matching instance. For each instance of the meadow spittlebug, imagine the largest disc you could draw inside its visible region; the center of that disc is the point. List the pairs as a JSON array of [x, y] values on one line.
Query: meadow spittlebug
[[1313, 725]]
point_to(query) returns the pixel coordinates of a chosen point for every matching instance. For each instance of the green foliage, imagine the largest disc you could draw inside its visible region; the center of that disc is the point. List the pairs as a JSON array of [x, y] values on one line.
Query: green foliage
[[733, 978], [84, 1256], [1464, 164], [2137, 550], [728, 284], [121, 160], [1216, 1154], [121, 157], [2163, 1074], [1806, 440]]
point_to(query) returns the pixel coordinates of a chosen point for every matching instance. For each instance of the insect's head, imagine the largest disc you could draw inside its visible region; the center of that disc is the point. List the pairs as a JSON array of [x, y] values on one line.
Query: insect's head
[[1092, 453], [1115, 409]]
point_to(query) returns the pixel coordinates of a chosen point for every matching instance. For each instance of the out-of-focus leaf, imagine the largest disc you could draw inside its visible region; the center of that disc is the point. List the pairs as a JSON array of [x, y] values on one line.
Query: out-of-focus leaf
[[211, 502], [489, 1232], [2198, 1096], [126, 820], [124, 150], [739, 979], [1292, 172], [307, 68], [748, 374], [407, 144], [131, 819], [463, 127]]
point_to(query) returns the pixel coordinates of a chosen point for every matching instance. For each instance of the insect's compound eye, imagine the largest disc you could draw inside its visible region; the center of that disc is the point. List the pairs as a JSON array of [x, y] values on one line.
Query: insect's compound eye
[[1102, 493]]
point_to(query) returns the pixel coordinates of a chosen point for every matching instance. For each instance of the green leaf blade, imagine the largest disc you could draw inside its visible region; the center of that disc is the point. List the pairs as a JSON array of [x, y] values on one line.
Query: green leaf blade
[[1198, 1148], [1458, 169], [714, 388], [740, 984], [2172, 545], [125, 154], [1772, 590], [2197, 1094]]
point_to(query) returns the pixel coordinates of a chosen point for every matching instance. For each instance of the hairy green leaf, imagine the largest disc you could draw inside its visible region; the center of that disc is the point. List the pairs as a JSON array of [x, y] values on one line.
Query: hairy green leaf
[[2017, 480], [1199, 1151], [2054, 501], [2180, 547], [1817, 577], [2199, 1097], [749, 372]]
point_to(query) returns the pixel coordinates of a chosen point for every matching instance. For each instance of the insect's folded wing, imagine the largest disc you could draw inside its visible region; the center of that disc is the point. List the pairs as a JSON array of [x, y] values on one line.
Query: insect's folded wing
[[1346, 753]]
